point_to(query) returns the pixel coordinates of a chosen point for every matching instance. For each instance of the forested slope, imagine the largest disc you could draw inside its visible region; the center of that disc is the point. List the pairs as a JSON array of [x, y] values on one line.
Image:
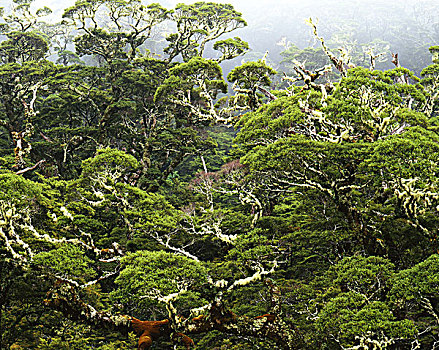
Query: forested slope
[[148, 201]]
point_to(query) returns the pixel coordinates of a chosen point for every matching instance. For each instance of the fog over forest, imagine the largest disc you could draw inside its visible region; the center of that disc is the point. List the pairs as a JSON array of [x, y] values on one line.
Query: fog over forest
[[408, 27], [234, 175]]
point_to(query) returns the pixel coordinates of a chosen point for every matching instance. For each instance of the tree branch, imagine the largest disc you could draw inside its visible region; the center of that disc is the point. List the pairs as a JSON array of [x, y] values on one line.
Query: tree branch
[[64, 298], [22, 171]]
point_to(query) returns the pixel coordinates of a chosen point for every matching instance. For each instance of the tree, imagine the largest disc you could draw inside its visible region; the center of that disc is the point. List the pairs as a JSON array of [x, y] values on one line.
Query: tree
[[200, 23], [306, 237], [113, 104]]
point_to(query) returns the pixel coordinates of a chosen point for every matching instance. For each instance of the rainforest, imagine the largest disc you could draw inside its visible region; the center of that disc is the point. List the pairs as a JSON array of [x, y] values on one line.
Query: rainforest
[[168, 183]]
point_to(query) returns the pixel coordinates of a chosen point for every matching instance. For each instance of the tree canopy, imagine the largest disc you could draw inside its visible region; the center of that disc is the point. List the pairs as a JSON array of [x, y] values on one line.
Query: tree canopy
[[150, 200]]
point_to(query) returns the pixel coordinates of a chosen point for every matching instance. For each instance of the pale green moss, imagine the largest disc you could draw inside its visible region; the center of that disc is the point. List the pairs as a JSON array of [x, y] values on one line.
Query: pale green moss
[[435, 52]]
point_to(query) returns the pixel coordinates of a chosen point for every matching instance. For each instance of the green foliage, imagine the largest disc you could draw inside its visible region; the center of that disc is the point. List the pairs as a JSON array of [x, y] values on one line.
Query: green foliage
[[251, 73], [231, 48], [22, 47], [19, 190], [68, 261], [100, 42], [121, 190], [201, 77], [348, 318], [148, 276], [246, 79], [416, 283], [364, 276], [109, 162], [76, 337], [434, 51], [198, 24]]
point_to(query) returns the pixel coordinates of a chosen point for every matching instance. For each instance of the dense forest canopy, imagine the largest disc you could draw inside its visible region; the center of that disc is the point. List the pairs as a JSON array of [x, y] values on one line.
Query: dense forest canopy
[[166, 185]]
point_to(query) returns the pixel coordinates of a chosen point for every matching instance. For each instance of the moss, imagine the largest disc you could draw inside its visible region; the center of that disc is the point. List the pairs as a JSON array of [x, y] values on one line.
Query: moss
[[435, 52]]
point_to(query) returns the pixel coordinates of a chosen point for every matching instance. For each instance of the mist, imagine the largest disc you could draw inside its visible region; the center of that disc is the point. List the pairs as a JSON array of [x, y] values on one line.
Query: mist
[[264, 177], [408, 27]]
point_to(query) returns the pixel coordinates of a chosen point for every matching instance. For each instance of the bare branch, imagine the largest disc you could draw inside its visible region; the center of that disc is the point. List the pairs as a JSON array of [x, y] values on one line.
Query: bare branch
[[30, 168]]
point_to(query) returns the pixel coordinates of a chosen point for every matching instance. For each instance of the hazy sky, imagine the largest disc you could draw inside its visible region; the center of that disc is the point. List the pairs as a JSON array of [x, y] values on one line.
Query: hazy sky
[[251, 5], [255, 10], [412, 24]]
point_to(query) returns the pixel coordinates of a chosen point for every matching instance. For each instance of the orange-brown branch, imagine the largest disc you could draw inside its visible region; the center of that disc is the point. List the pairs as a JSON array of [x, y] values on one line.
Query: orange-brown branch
[[64, 298], [149, 331]]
